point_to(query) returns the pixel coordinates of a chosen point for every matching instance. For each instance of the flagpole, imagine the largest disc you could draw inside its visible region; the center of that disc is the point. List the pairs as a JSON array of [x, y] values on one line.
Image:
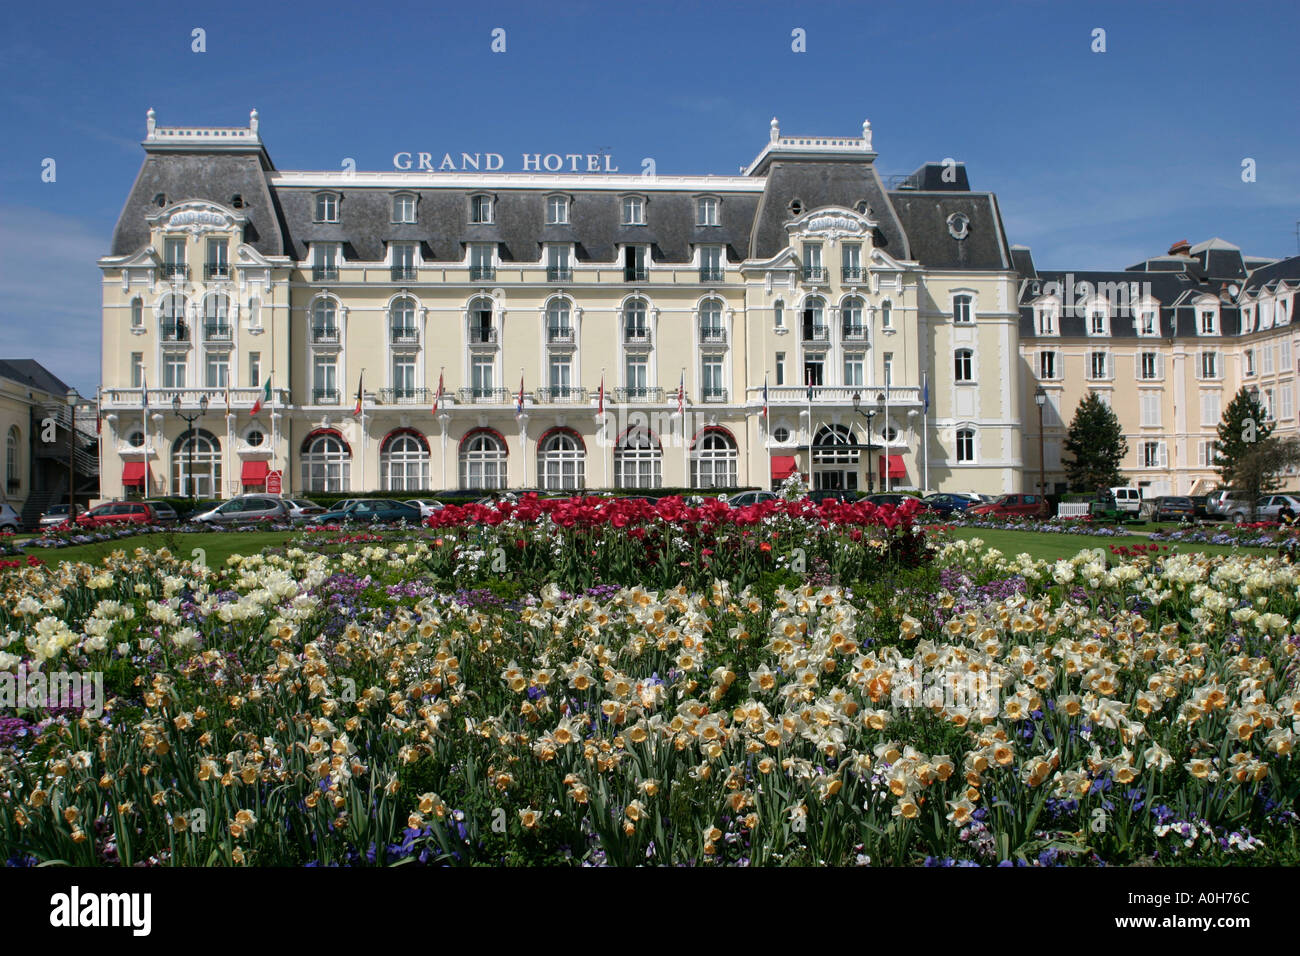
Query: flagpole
[[812, 476], [523, 428], [885, 436], [686, 451], [767, 434], [361, 404], [601, 442], [925, 427], [144, 421]]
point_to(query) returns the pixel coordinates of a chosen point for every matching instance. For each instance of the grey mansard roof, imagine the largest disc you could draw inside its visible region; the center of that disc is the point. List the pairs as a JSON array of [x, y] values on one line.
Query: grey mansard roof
[[1288, 269], [32, 374], [925, 216]]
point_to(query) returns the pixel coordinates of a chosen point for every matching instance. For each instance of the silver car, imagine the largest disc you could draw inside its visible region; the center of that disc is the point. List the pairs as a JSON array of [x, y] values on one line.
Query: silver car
[[1277, 507], [9, 519], [57, 515], [746, 498], [246, 508], [427, 506]]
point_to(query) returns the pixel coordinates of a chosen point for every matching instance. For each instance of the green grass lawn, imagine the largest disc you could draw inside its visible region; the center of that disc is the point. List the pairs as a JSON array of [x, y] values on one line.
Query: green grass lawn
[[1051, 547]]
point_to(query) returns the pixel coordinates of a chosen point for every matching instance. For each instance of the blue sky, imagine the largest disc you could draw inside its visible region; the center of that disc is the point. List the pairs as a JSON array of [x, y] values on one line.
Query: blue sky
[[1098, 159]]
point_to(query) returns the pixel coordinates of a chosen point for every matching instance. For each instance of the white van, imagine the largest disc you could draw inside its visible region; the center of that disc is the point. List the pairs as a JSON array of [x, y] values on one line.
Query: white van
[[1127, 499]]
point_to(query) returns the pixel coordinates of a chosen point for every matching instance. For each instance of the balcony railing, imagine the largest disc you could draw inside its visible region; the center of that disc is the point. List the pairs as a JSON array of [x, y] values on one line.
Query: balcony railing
[[710, 335], [175, 332], [485, 396], [559, 334], [713, 394], [325, 396], [902, 395], [636, 336], [216, 270], [710, 274], [561, 394], [482, 273], [816, 333], [406, 396], [403, 336], [403, 273], [636, 275], [639, 393], [851, 273], [325, 334], [482, 336], [814, 273], [216, 332], [130, 398], [559, 274], [324, 273], [854, 333], [175, 270]]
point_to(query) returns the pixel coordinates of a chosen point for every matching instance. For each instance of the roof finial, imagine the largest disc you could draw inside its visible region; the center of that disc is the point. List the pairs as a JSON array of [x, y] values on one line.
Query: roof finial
[[151, 120], [252, 122], [866, 133], [776, 129]]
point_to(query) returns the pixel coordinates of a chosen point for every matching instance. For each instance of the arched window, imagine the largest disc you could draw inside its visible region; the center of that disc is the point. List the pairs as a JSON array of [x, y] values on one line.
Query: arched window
[[814, 319], [638, 460], [965, 445], [961, 309], [483, 461], [404, 462], [963, 366], [558, 328], [836, 445], [886, 315], [635, 328], [137, 313], [326, 461], [711, 329], [714, 460], [401, 317], [851, 319], [12, 465], [173, 318], [215, 310], [561, 461], [480, 321], [196, 465], [324, 321]]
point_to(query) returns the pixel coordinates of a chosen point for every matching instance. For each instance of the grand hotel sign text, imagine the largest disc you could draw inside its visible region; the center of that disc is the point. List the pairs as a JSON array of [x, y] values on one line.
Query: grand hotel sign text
[[494, 162]]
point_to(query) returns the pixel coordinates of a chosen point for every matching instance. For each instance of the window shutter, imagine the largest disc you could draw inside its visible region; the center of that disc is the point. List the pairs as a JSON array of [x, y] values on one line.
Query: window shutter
[[1137, 365], [1164, 455], [1160, 365]]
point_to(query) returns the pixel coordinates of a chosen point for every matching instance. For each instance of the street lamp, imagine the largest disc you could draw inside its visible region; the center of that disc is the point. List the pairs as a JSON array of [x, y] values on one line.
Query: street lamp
[[1040, 399], [869, 414], [71, 399], [190, 420]]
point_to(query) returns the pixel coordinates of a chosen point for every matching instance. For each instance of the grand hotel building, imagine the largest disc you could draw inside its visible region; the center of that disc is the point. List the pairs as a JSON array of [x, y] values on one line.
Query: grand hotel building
[[796, 317]]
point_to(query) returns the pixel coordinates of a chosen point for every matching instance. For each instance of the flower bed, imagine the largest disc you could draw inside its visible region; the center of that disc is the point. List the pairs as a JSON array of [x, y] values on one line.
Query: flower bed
[[1259, 534], [1080, 525], [360, 708]]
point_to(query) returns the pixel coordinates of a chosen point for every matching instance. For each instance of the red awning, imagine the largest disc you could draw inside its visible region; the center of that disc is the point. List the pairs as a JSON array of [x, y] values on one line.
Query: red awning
[[783, 466], [254, 473], [895, 468], [133, 473]]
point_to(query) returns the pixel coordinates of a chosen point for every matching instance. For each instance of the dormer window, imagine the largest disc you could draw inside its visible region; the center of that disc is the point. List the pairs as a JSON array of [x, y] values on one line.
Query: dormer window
[[327, 207], [1046, 321], [404, 208], [1208, 323], [557, 210], [633, 211], [1097, 322], [1147, 323], [480, 209], [706, 211]]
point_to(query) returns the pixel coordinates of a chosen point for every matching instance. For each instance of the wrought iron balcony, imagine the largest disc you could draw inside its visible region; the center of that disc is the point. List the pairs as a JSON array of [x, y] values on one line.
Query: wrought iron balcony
[[482, 336], [404, 273], [854, 333], [816, 333], [639, 393], [559, 274], [559, 334], [561, 394], [175, 332], [636, 275], [401, 335], [710, 274], [216, 270], [634, 335], [325, 334], [216, 332], [712, 335], [484, 396], [324, 273], [325, 396], [482, 273], [851, 273], [175, 270], [406, 396], [814, 273], [713, 394]]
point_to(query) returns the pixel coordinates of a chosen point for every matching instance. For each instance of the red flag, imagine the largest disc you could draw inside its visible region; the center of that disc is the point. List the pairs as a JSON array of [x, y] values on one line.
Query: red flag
[[519, 402], [360, 379], [681, 395], [600, 402], [265, 397], [437, 399]]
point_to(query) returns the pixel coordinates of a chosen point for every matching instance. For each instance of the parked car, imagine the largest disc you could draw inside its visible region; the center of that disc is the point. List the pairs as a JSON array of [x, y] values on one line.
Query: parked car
[[118, 512], [57, 515], [1007, 505], [746, 498], [1127, 499], [1277, 508], [10, 519], [1223, 503], [1199, 506], [300, 509], [372, 511], [836, 494], [165, 512], [1104, 508], [946, 503], [427, 506], [1171, 508], [886, 498], [246, 508]]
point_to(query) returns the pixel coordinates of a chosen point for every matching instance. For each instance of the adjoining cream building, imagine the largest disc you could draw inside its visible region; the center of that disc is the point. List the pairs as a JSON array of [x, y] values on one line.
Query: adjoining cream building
[[803, 286], [1166, 343]]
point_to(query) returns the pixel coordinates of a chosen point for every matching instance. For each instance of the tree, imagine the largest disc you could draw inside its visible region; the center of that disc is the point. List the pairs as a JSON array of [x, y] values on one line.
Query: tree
[[1096, 445], [1256, 472], [1244, 427]]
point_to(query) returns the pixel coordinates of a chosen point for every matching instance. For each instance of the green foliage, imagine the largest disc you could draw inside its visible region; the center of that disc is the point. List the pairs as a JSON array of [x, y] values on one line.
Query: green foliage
[[1096, 446], [1243, 428]]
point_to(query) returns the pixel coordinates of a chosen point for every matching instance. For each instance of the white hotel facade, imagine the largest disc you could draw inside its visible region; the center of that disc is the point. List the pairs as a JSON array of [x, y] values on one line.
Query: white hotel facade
[[226, 272]]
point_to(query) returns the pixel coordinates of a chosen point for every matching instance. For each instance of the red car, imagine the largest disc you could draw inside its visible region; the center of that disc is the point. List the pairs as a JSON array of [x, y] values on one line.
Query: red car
[[1028, 505], [118, 512]]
